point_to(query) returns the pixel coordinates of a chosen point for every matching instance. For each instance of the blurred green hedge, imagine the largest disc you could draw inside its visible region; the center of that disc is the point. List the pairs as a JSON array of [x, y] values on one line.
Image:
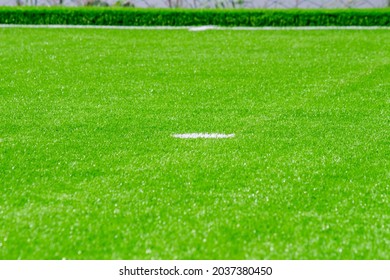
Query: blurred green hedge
[[194, 17]]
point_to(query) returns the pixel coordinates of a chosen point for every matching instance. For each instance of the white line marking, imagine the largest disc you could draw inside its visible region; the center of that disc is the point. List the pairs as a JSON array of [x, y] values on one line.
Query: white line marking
[[203, 135], [202, 28], [59, 26], [305, 28], [196, 28]]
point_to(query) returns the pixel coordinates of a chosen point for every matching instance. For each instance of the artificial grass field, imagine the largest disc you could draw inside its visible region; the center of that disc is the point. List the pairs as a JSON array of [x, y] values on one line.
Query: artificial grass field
[[89, 168]]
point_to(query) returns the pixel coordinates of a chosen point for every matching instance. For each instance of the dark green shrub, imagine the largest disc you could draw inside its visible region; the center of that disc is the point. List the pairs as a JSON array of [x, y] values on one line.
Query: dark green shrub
[[194, 17]]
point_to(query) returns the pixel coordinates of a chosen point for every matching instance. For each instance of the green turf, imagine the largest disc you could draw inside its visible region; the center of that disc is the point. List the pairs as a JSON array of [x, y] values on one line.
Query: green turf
[[89, 170]]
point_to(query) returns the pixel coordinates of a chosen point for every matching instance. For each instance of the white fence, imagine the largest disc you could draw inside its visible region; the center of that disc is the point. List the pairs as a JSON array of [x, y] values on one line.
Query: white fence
[[210, 3]]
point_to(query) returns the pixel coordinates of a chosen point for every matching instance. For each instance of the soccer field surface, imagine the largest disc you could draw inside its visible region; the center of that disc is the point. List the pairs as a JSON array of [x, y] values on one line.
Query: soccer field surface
[[91, 165]]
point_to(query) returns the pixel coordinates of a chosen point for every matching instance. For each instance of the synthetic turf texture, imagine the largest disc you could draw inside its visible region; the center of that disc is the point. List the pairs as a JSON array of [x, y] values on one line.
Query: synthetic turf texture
[[89, 168]]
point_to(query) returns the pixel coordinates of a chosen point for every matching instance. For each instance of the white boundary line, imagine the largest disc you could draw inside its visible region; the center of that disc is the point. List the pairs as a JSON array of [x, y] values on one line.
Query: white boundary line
[[195, 28], [60, 26], [203, 135], [203, 28]]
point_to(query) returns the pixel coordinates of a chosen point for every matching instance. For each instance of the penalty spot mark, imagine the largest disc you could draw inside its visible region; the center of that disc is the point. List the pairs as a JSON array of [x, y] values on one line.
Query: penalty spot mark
[[202, 135]]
